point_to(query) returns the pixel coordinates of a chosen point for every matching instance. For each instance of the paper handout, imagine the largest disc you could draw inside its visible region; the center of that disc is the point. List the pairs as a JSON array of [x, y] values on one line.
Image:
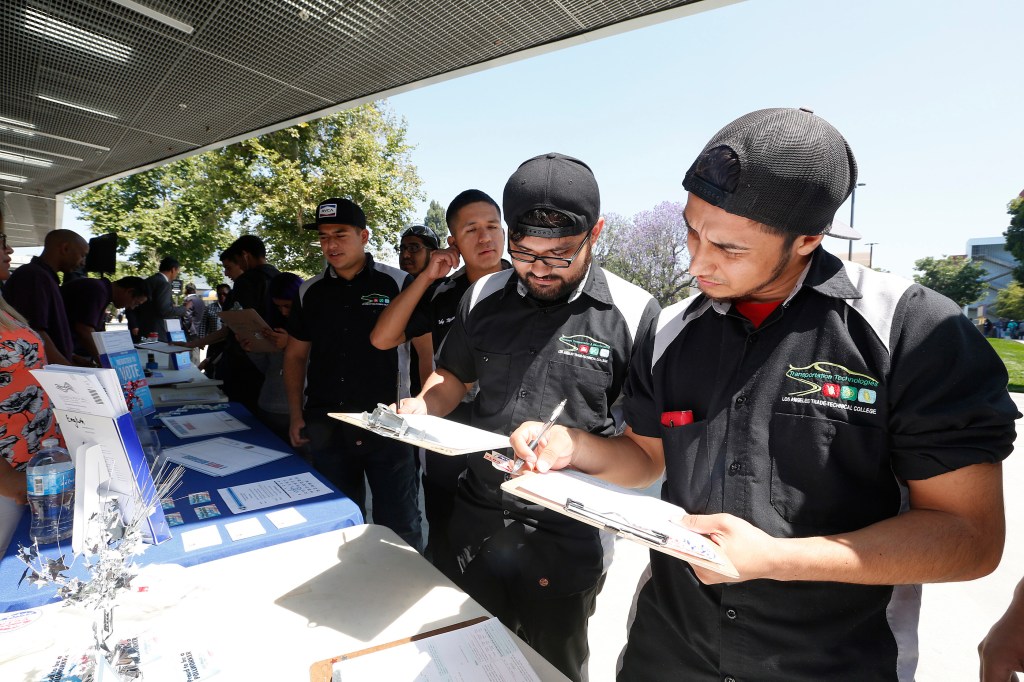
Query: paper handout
[[222, 456], [628, 513], [201, 424], [425, 431], [241, 498]]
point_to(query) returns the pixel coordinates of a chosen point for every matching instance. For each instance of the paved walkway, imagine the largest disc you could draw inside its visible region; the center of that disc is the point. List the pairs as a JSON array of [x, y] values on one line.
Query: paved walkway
[[954, 616]]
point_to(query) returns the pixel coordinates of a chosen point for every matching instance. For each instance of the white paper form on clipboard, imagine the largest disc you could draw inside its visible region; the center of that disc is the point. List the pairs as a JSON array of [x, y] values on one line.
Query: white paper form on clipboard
[[641, 518], [432, 433]]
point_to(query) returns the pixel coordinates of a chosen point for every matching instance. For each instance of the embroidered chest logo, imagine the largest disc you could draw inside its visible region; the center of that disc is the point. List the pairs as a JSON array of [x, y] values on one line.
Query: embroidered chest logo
[[376, 300], [582, 346], [829, 384]]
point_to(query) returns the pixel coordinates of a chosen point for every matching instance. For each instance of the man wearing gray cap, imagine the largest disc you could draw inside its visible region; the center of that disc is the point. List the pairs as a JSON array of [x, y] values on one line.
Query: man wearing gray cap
[[554, 327], [846, 437]]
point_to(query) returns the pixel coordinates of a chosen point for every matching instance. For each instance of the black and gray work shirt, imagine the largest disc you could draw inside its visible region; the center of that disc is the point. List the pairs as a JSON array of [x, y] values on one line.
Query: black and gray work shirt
[[808, 425]]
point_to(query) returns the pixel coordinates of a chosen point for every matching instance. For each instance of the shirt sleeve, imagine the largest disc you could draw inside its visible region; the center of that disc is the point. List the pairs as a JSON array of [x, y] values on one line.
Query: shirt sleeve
[[456, 354], [959, 415], [297, 326], [642, 412], [419, 321]]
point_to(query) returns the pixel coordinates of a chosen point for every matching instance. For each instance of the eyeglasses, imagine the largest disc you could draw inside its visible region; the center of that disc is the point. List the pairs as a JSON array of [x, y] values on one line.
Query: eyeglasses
[[550, 261], [410, 248]]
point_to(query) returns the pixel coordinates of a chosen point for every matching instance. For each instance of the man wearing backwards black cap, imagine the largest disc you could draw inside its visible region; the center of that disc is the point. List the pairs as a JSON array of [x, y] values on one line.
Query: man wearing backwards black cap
[[554, 327], [848, 428], [329, 326]]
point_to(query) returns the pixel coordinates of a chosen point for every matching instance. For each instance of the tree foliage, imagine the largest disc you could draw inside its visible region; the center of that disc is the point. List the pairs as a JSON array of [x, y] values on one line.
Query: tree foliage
[[436, 221], [268, 186], [361, 154], [1015, 235], [180, 210], [648, 250], [955, 277], [1010, 302]]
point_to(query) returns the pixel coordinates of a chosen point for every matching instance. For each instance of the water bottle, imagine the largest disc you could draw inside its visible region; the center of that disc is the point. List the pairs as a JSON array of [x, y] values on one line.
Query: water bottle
[[51, 493]]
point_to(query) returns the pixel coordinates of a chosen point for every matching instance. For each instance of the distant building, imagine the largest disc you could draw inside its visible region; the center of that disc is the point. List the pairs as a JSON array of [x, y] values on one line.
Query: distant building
[[991, 254]]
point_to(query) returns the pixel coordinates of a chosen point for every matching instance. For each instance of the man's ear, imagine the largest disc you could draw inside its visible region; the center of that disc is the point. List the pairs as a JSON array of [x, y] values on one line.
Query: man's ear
[[598, 226], [364, 236], [451, 241], [805, 244]]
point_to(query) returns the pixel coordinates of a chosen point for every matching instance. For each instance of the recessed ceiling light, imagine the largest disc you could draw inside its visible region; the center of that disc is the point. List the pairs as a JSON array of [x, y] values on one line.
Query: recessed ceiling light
[[13, 178], [26, 133], [76, 106], [79, 38], [156, 16], [15, 122], [26, 160]]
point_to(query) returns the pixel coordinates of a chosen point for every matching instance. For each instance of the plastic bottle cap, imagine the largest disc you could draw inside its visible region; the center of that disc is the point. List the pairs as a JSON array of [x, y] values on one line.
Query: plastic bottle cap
[[51, 443]]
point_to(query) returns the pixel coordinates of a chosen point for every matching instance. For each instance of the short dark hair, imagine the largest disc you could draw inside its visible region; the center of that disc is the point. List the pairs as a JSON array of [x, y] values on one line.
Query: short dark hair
[[135, 285], [225, 286], [539, 217], [284, 285], [470, 196], [251, 244], [232, 253], [190, 288], [168, 263]]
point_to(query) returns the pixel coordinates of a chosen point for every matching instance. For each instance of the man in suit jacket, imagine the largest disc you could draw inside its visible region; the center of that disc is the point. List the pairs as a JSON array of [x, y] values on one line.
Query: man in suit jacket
[[160, 306]]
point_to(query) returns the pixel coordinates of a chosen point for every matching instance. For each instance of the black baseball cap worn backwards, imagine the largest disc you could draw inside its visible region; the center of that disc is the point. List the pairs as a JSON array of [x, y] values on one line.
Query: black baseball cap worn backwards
[[796, 170], [554, 182], [429, 237], [338, 212]]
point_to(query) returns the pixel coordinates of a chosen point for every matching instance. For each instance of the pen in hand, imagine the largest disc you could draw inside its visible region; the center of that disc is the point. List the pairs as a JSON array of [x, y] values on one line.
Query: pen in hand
[[544, 429]]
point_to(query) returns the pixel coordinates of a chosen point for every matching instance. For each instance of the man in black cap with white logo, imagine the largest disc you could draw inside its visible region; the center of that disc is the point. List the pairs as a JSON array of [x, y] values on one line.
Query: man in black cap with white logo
[[329, 327], [555, 326], [846, 437]]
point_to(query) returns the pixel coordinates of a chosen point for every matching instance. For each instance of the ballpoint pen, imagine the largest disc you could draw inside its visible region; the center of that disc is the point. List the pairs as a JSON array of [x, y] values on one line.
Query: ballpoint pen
[[544, 429]]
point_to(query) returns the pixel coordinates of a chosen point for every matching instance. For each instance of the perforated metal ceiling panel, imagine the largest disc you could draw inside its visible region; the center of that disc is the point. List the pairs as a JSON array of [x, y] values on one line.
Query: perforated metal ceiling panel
[[90, 89]]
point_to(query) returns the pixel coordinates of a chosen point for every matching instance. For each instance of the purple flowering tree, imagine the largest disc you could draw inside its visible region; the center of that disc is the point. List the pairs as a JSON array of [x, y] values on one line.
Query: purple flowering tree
[[648, 250]]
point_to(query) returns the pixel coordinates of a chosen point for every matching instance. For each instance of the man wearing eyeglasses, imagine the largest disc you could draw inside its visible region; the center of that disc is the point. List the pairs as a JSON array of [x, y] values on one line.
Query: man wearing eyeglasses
[[415, 246], [553, 327]]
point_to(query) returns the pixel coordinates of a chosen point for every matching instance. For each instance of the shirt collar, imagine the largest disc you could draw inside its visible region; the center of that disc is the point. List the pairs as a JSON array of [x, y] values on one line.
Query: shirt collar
[[367, 266], [45, 266]]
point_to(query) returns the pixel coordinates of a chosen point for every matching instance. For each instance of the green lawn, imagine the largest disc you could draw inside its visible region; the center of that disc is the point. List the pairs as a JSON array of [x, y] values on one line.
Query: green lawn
[[1012, 353]]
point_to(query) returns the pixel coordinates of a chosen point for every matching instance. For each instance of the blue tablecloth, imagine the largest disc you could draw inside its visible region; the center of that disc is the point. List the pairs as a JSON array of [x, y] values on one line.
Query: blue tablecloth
[[322, 514]]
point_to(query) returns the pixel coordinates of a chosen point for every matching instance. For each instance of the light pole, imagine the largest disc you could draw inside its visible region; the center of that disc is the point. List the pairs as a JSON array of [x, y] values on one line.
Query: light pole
[[853, 201], [871, 253]]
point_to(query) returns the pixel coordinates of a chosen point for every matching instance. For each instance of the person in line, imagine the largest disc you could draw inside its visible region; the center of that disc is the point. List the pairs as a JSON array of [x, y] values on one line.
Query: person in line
[[34, 291], [1002, 650], [26, 416], [846, 437], [554, 326], [86, 301], [415, 245], [193, 316], [329, 328], [273, 400], [245, 262], [210, 323], [429, 304], [160, 301]]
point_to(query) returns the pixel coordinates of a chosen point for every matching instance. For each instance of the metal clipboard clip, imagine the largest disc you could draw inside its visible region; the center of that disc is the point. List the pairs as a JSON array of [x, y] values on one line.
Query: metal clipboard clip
[[619, 525], [387, 422]]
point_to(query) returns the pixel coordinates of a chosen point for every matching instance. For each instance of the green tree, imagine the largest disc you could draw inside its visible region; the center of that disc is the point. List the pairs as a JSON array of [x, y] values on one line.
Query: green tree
[[436, 221], [268, 186], [180, 210], [956, 277], [1015, 235], [279, 178], [1010, 302]]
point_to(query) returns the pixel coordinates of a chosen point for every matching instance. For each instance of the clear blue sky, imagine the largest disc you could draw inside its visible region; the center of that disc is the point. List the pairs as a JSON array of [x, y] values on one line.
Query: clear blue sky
[[927, 93]]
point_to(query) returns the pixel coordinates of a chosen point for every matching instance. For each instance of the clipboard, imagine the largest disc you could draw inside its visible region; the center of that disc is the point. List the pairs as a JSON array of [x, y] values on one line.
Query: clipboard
[[629, 514], [322, 671], [248, 324], [425, 431]]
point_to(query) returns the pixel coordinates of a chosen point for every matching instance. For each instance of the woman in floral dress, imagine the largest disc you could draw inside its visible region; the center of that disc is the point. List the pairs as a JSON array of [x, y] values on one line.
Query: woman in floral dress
[[26, 418]]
